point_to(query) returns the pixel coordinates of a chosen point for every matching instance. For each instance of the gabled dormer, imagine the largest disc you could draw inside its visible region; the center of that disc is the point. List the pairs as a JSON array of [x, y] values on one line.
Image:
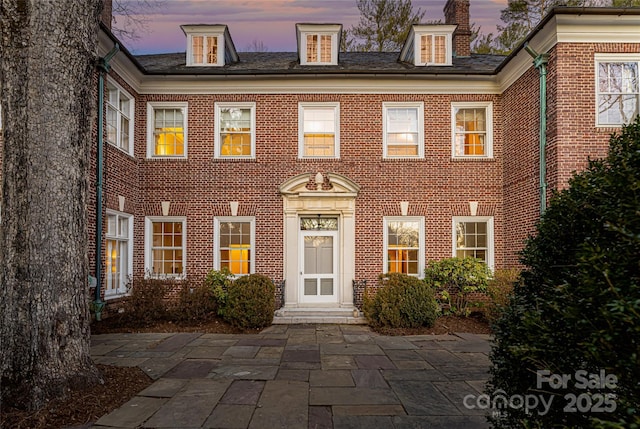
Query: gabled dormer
[[318, 43], [209, 45], [429, 45]]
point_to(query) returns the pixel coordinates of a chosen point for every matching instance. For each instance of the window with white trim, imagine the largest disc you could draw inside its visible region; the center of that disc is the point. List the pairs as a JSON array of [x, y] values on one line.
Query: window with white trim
[[118, 253], [319, 130], [119, 114], [618, 91], [234, 244], [166, 246], [318, 43], [404, 245], [403, 129], [434, 49], [235, 130], [472, 129], [167, 130], [473, 238]]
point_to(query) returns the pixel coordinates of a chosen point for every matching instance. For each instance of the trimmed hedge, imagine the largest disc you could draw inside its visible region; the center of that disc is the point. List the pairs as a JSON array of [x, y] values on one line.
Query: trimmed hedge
[[249, 302], [401, 301]]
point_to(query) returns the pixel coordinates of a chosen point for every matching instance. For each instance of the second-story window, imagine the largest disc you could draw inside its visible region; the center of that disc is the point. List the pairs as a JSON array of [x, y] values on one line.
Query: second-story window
[[403, 130], [618, 92], [318, 130], [119, 117], [472, 129], [167, 130], [235, 130]]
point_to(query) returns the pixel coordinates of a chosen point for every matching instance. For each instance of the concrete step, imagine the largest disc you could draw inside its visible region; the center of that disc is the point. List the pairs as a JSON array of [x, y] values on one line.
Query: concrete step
[[285, 316]]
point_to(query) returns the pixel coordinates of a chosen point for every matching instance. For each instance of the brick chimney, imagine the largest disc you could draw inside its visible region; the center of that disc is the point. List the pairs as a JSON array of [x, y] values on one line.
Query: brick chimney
[[456, 12], [107, 13]]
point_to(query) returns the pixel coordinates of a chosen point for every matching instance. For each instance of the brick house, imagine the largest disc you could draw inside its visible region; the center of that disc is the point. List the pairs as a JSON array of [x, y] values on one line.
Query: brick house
[[323, 169]]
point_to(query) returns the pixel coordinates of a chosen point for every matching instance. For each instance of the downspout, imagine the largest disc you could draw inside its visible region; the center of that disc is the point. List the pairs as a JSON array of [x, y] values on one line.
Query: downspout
[[540, 61], [103, 68]]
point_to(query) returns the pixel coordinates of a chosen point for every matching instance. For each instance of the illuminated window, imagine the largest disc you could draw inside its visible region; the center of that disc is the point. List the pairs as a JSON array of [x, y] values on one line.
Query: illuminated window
[[318, 128], [319, 49], [403, 130], [167, 130], [119, 117], [118, 253], [166, 246], [234, 244], [204, 50], [472, 129], [318, 43], [618, 88], [473, 238], [433, 49], [404, 245], [235, 133]]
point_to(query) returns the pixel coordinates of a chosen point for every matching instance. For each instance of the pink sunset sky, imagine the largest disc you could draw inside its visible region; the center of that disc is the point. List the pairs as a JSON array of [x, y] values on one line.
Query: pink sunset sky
[[272, 21]]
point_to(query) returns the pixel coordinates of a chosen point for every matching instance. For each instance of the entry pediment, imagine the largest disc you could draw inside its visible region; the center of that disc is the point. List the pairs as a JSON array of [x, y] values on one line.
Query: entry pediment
[[331, 185]]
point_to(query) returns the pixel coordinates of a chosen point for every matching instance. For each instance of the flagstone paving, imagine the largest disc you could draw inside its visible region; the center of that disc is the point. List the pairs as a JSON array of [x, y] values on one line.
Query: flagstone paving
[[300, 376]]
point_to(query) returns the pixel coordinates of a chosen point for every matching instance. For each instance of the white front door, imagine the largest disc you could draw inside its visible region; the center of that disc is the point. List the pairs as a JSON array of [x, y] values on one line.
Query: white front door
[[319, 260]]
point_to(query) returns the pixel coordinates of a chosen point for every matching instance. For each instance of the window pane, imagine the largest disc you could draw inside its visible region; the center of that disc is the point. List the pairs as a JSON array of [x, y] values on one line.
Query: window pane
[[425, 49], [619, 91], [402, 120], [167, 250], [235, 246], [198, 49], [325, 49], [312, 48], [212, 50], [235, 131], [169, 132], [440, 49]]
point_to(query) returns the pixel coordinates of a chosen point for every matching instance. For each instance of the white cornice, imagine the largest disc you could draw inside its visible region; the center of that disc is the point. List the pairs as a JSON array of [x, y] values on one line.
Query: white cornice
[[121, 64], [320, 85], [572, 28]]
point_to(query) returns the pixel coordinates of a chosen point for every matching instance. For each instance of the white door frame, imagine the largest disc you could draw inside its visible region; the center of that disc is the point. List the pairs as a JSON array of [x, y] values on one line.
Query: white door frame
[[333, 276], [337, 201]]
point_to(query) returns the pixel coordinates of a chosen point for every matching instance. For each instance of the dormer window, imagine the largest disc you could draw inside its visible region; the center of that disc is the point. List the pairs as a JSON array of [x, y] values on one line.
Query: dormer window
[[209, 45], [429, 45], [318, 43], [433, 49], [204, 50]]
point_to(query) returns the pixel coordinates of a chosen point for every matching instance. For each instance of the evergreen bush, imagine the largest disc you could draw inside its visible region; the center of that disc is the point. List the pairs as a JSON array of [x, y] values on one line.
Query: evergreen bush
[[454, 279], [578, 305], [401, 301], [250, 302]]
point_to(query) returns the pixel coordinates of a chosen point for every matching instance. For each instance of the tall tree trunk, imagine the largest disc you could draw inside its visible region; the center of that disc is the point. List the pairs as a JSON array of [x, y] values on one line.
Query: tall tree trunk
[[47, 64]]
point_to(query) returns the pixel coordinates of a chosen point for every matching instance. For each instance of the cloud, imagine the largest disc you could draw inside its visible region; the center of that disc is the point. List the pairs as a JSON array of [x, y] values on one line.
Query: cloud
[[272, 21]]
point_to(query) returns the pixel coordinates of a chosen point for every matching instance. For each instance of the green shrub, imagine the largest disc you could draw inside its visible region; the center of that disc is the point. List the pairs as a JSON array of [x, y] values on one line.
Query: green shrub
[[146, 301], [195, 303], [454, 279], [499, 289], [401, 301], [578, 305], [218, 281], [250, 302]]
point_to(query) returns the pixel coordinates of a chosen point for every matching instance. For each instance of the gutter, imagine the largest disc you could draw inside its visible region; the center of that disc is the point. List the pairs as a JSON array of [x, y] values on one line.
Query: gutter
[[103, 68], [540, 62]]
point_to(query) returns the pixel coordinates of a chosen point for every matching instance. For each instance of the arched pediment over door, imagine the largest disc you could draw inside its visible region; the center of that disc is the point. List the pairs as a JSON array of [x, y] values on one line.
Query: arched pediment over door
[[328, 196]]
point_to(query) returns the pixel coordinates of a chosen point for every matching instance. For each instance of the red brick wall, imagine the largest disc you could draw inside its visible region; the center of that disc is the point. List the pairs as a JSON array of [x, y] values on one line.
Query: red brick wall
[[572, 136], [201, 187]]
